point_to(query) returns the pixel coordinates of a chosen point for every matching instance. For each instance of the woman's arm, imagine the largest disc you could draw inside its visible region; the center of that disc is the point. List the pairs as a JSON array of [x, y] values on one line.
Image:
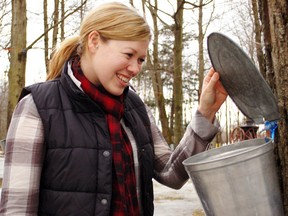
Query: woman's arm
[[168, 167], [23, 161]]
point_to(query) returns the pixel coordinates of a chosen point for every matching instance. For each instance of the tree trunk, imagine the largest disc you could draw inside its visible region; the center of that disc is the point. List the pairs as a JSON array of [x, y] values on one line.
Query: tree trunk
[[156, 78], [279, 40], [82, 10], [264, 10], [46, 38], [177, 84], [257, 29], [18, 53], [200, 47], [3, 104], [62, 25], [274, 17], [55, 23]]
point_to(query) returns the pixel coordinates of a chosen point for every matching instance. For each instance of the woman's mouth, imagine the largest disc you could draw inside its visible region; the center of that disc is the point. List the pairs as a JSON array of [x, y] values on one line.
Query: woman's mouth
[[123, 78]]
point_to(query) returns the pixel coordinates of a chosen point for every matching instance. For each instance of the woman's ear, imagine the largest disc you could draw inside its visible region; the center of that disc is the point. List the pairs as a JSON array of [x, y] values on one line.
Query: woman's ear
[[93, 41]]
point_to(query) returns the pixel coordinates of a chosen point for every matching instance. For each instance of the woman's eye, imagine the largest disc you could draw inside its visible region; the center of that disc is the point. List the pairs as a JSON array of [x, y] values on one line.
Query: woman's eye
[[129, 54], [141, 60]]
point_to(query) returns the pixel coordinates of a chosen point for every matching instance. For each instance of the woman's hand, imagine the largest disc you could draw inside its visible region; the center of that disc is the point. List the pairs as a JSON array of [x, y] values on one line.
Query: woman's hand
[[213, 95]]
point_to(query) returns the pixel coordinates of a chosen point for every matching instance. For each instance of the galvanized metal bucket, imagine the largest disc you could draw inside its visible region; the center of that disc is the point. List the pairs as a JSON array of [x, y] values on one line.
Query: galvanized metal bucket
[[238, 179]]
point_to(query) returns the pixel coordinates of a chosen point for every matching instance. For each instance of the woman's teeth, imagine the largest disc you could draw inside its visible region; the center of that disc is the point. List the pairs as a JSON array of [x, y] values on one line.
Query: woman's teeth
[[122, 78]]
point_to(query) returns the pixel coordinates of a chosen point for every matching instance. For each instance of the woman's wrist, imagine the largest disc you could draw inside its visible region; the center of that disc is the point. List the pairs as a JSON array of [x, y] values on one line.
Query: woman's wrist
[[210, 115]]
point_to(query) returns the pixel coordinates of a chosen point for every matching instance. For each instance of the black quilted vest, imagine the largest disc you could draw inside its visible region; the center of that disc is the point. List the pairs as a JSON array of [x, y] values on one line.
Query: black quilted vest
[[77, 169]]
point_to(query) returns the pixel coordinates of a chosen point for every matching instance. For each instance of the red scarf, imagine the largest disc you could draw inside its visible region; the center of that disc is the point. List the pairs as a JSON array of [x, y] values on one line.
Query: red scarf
[[124, 196]]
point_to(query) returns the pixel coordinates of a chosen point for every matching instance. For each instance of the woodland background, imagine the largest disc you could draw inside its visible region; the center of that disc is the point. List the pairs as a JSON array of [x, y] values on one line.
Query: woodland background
[[177, 60]]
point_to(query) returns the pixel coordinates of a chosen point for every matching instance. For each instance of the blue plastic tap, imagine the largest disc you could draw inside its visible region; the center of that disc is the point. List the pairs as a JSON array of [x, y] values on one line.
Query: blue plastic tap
[[272, 127]]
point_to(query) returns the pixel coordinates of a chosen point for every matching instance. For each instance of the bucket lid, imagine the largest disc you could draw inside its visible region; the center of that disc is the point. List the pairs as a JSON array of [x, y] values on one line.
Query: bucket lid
[[241, 79]]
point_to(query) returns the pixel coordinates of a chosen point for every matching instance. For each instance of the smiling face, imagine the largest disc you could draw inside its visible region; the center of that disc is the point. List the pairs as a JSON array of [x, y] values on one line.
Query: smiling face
[[113, 63]]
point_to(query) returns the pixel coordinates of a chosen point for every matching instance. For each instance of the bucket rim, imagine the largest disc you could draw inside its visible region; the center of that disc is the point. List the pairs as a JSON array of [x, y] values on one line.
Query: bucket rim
[[251, 150]]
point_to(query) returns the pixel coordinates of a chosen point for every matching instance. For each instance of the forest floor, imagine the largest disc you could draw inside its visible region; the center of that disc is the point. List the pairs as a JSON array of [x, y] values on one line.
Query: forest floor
[[182, 202]]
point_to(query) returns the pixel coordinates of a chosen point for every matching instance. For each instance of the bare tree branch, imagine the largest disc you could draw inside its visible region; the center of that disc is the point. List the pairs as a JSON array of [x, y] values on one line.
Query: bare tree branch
[[210, 18], [69, 14], [195, 5], [149, 5]]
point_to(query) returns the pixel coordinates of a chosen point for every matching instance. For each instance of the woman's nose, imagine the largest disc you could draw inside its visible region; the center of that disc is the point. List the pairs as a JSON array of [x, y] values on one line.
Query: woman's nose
[[134, 68]]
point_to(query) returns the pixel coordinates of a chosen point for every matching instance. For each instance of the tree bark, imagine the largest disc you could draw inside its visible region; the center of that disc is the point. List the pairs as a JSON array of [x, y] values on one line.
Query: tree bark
[[62, 25], [257, 29], [200, 47], [55, 21], [3, 104], [18, 54], [264, 16], [46, 38], [278, 26], [177, 84], [156, 78], [274, 18]]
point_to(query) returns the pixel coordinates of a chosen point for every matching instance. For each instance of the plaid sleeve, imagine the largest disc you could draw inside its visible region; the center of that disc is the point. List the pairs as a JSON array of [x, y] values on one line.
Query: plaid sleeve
[[168, 167], [23, 161]]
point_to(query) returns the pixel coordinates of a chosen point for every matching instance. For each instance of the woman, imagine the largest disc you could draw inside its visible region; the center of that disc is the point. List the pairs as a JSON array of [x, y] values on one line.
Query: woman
[[83, 143]]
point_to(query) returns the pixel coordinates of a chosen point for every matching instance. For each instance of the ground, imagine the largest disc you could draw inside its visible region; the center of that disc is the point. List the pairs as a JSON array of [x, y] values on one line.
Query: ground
[[183, 202]]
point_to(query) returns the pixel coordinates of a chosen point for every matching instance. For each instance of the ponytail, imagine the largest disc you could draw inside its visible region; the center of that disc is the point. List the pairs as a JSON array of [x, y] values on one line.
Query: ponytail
[[67, 48]]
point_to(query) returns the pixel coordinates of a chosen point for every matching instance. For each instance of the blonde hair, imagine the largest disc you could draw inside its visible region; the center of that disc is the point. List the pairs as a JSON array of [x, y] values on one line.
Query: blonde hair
[[113, 21]]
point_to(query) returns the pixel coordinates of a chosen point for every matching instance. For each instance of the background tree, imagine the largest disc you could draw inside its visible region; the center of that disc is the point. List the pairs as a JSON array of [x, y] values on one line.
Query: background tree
[[46, 36], [16, 75], [62, 25], [177, 75], [58, 25], [269, 72], [202, 30], [154, 66], [19, 50], [3, 104], [171, 43], [167, 72], [258, 38], [5, 12], [55, 23], [274, 19]]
